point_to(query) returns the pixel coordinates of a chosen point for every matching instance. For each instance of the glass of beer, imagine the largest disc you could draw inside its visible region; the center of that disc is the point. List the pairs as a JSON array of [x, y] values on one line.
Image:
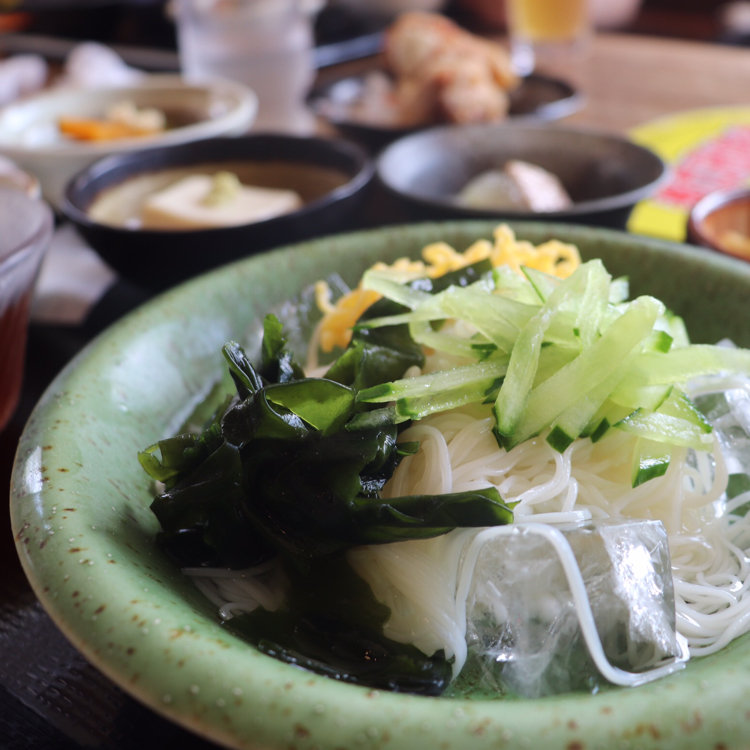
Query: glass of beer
[[546, 35]]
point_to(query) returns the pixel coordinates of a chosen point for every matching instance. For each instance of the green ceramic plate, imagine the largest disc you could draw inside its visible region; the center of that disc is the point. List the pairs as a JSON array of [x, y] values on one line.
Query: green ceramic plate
[[85, 534]]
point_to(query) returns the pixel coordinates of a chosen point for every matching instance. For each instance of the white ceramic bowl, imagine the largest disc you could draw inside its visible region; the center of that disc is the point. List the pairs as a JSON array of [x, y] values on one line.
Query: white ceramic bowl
[[29, 133]]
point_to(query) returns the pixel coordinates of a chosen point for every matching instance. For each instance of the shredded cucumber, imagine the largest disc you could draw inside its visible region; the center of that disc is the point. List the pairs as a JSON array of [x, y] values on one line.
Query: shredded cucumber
[[434, 383], [458, 346], [389, 287], [564, 358], [598, 364], [650, 460], [676, 422], [511, 417]]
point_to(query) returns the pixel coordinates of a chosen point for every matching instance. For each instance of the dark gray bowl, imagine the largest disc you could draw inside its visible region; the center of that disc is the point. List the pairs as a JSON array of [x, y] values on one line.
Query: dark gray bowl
[[605, 174], [332, 177]]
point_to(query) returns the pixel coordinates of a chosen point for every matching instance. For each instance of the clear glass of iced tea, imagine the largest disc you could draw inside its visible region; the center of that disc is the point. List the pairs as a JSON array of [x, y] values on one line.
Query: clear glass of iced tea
[[26, 225]]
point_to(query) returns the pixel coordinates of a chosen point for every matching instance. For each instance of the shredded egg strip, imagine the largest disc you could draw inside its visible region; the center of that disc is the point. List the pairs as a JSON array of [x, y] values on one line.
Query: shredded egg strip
[[438, 258]]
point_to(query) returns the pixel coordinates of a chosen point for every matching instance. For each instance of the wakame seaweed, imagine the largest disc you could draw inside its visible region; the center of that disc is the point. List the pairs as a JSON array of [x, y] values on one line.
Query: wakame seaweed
[[332, 625], [290, 469]]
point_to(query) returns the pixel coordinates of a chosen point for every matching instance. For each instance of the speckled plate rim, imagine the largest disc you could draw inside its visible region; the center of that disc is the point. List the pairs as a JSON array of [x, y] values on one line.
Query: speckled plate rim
[[84, 535]]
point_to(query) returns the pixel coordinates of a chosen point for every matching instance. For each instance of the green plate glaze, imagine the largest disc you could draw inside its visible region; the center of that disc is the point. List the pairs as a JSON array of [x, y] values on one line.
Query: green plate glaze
[[85, 535]]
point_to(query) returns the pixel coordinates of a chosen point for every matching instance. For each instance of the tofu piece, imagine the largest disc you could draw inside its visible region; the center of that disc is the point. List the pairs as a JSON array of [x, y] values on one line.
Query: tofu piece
[[541, 190], [183, 205], [518, 186], [493, 190]]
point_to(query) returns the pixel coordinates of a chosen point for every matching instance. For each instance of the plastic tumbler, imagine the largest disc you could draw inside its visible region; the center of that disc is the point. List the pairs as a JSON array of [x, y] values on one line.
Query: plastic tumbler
[[26, 225], [265, 44]]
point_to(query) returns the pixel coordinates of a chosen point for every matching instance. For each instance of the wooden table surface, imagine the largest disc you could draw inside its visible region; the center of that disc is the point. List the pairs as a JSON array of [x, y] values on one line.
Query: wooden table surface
[[631, 80]]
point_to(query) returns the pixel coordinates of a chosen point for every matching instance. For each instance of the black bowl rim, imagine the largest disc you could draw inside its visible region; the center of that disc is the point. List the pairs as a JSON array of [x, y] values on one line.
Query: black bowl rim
[[183, 154], [571, 101], [595, 206]]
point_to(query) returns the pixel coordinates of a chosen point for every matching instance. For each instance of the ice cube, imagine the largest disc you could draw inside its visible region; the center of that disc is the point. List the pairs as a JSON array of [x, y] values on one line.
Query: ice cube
[[728, 410], [553, 609]]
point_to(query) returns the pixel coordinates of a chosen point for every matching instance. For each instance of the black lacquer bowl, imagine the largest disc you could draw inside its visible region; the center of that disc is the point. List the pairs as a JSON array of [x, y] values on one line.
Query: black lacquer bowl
[[331, 176]]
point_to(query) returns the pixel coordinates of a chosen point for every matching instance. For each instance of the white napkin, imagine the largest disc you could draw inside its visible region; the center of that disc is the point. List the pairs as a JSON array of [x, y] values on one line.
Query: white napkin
[[21, 75], [71, 280], [90, 64]]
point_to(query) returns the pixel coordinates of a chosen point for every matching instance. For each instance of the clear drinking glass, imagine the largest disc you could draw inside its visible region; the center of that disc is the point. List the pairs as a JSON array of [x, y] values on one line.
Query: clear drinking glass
[[547, 35], [265, 44], [26, 225]]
